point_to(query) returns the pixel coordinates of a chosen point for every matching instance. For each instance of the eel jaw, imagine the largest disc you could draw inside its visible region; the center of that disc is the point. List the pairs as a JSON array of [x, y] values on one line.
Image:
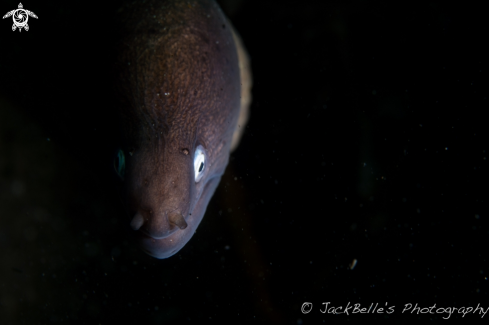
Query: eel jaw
[[171, 244]]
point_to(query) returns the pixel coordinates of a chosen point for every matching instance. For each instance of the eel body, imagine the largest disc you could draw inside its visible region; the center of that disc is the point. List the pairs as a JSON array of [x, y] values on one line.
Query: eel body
[[183, 84]]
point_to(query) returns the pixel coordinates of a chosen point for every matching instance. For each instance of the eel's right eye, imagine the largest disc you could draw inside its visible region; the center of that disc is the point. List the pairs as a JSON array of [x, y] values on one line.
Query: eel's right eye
[[120, 163], [199, 163]]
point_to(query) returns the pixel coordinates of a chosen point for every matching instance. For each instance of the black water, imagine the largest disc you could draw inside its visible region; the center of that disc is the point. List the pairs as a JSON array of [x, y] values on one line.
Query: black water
[[367, 141]]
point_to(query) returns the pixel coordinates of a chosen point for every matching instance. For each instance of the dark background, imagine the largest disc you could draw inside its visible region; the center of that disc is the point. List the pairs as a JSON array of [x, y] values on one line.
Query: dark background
[[366, 141]]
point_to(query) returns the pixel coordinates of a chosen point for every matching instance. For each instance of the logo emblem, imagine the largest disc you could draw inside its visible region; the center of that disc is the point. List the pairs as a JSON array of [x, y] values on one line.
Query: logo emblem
[[20, 17]]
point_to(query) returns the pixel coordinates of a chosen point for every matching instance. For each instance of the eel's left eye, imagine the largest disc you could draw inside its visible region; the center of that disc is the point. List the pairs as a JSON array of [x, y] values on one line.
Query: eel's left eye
[[199, 163], [120, 163]]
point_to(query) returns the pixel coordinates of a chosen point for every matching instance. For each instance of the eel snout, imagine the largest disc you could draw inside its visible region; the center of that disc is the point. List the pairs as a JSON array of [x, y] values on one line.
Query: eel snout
[[158, 227]]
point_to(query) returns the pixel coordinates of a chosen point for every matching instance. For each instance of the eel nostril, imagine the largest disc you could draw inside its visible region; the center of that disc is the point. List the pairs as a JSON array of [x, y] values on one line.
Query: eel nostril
[[157, 226], [176, 219], [137, 221]]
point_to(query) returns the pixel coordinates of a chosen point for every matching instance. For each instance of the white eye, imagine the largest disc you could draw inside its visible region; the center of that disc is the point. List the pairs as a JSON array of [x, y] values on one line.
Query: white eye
[[199, 163]]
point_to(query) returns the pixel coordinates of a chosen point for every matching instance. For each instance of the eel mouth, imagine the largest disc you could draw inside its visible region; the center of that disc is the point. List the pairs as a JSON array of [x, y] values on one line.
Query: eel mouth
[[159, 248], [143, 237], [146, 235]]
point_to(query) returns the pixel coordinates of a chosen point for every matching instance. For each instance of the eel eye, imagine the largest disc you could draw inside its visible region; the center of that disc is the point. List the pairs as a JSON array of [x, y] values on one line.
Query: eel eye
[[120, 163], [199, 163]]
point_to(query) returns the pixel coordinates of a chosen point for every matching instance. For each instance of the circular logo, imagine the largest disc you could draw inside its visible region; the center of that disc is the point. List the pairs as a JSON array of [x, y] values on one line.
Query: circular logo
[[20, 17], [306, 307]]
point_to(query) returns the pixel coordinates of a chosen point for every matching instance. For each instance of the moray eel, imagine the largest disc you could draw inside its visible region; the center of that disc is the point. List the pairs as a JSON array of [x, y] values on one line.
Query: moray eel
[[183, 83]]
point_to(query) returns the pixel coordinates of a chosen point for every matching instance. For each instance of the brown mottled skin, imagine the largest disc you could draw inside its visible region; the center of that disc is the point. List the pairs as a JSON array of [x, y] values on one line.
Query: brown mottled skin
[[179, 86]]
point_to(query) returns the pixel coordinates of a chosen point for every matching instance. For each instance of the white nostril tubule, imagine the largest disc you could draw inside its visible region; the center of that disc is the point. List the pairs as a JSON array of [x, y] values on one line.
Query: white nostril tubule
[[137, 221]]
